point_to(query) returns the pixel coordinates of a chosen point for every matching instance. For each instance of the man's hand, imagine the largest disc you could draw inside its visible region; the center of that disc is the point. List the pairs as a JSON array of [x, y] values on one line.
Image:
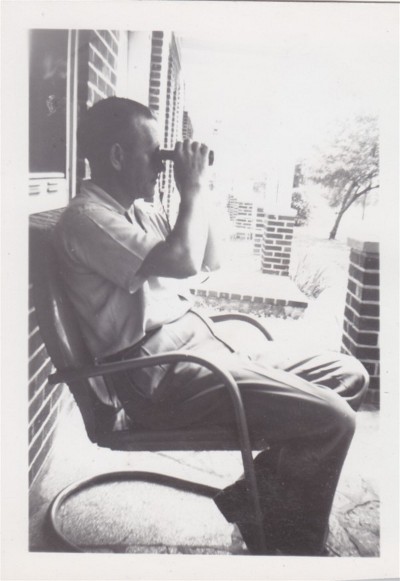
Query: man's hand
[[190, 165]]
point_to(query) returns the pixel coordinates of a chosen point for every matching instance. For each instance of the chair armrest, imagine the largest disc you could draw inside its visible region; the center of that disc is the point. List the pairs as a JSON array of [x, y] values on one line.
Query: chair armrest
[[245, 318], [85, 372]]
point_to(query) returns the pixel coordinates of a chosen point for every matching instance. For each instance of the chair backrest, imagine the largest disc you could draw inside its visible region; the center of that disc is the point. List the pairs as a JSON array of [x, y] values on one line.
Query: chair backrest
[[58, 325]]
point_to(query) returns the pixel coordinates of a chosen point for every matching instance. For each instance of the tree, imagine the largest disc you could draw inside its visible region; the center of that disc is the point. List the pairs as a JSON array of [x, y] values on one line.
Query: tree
[[349, 168], [302, 208]]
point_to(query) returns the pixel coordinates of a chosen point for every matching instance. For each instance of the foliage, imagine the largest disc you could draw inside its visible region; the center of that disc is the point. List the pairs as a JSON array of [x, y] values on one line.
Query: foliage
[[302, 208], [309, 277], [349, 167], [318, 264]]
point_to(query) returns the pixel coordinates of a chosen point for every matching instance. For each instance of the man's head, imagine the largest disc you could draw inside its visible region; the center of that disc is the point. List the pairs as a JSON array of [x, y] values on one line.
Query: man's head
[[119, 138]]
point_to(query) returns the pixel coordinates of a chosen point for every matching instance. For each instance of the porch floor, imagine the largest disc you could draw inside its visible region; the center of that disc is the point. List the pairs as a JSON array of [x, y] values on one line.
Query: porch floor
[[146, 518]]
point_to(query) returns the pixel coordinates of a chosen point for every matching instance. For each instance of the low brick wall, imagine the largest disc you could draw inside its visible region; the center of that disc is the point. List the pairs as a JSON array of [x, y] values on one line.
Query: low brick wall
[[258, 306], [361, 318], [277, 243]]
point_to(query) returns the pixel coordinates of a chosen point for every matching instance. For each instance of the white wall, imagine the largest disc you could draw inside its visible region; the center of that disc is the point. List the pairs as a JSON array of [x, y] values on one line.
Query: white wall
[[138, 66]]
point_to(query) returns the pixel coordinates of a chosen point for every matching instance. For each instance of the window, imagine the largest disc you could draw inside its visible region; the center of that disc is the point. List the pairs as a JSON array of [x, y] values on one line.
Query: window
[[51, 118]]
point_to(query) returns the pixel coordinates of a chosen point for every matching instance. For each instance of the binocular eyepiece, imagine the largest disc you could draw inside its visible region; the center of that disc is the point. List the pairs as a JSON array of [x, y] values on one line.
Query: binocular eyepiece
[[169, 155]]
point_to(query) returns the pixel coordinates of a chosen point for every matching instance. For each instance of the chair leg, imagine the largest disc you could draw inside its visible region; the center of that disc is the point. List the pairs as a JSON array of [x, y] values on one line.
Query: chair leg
[[55, 519], [253, 492]]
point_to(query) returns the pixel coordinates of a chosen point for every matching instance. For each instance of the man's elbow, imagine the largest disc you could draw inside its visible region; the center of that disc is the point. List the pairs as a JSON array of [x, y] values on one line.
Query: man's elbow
[[212, 265], [190, 266], [187, 264], [195, 265]]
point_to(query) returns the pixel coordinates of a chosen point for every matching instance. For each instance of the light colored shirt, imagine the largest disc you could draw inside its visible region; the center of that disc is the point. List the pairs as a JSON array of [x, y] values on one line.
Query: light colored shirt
[[100, 253]]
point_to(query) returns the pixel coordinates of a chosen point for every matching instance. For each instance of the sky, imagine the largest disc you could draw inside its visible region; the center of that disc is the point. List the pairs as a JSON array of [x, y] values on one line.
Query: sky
[[278, 76]]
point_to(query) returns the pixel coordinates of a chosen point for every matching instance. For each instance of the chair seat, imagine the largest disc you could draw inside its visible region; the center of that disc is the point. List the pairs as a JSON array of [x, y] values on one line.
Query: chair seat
[[197, 439]]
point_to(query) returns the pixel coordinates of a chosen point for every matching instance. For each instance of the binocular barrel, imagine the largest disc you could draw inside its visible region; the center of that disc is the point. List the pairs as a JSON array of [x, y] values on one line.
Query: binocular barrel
[[169, 154]]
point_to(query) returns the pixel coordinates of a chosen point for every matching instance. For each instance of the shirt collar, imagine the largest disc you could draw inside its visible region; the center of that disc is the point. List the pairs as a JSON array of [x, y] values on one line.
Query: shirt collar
[[90, 191]]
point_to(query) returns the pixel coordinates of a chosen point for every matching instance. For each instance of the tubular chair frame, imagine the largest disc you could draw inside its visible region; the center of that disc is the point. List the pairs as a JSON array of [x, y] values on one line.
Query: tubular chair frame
[[73, 365]]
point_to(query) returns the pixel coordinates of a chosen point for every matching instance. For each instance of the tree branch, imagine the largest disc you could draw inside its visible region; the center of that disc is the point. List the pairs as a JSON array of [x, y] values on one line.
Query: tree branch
[[365, 191], [358, 195]]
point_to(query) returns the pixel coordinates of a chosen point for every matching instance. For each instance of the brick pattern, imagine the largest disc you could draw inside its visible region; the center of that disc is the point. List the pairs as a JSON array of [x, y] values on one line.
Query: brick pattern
[[165, 58], [102, 63], [247, 219], [156, 62], [277, 244], [170, 113], [45, 402], [244, 220], [256, 305], [187, 127], [259, 230], [97, 75], [361, 317], [232, 207]]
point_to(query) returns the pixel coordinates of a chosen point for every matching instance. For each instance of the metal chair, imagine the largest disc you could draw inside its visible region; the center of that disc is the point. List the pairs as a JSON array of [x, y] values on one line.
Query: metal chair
[[75, 367]]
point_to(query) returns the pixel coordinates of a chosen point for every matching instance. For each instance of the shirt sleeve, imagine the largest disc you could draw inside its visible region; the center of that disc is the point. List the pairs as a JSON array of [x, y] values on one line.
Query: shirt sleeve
[[107, 243]]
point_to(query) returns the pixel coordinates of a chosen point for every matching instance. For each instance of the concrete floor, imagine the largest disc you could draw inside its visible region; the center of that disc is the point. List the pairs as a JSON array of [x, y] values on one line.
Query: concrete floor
[[145, 518]]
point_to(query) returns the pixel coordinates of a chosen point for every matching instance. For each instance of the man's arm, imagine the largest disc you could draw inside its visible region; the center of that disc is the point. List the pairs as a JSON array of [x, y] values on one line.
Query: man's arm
[[189, 246], [211, 255]]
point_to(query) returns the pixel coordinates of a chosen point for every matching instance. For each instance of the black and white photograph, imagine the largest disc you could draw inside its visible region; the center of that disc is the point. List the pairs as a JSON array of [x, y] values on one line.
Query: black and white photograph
[[201, 278]]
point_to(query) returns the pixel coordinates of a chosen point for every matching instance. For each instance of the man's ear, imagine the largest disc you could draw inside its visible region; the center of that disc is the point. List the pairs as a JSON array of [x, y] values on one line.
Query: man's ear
[[116, 156]]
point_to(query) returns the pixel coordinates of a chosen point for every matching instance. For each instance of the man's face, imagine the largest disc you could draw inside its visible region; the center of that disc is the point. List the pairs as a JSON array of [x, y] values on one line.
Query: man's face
[[141, 161]]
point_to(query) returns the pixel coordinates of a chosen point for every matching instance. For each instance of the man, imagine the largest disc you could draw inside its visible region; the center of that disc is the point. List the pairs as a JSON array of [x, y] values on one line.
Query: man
[[125, 270]]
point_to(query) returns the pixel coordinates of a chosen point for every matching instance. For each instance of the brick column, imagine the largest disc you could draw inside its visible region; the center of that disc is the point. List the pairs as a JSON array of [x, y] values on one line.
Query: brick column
[[277, 243], [361, 316], [258, 230]]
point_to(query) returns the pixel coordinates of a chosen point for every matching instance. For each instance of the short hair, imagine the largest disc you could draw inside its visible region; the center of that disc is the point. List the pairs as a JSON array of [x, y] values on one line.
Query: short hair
[[105, 123]]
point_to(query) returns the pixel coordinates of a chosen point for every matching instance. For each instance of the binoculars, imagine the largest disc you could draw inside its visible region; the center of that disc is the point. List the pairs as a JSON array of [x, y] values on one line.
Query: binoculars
[[169, 155]]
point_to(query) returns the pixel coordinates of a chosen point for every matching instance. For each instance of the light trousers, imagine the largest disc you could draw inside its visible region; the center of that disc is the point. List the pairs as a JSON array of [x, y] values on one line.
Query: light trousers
[[303, 403]]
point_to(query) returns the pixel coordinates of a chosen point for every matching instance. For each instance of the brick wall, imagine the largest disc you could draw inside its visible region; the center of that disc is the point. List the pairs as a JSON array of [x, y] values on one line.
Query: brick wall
[[244, 220], [156, 67], [247, 219], [102, 64], [254, 304], [361, 318], [187, 127], [232, 207], [46, 402], [259, 230], [277, 243], [157, 94], [166, 99], [97, 74]]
